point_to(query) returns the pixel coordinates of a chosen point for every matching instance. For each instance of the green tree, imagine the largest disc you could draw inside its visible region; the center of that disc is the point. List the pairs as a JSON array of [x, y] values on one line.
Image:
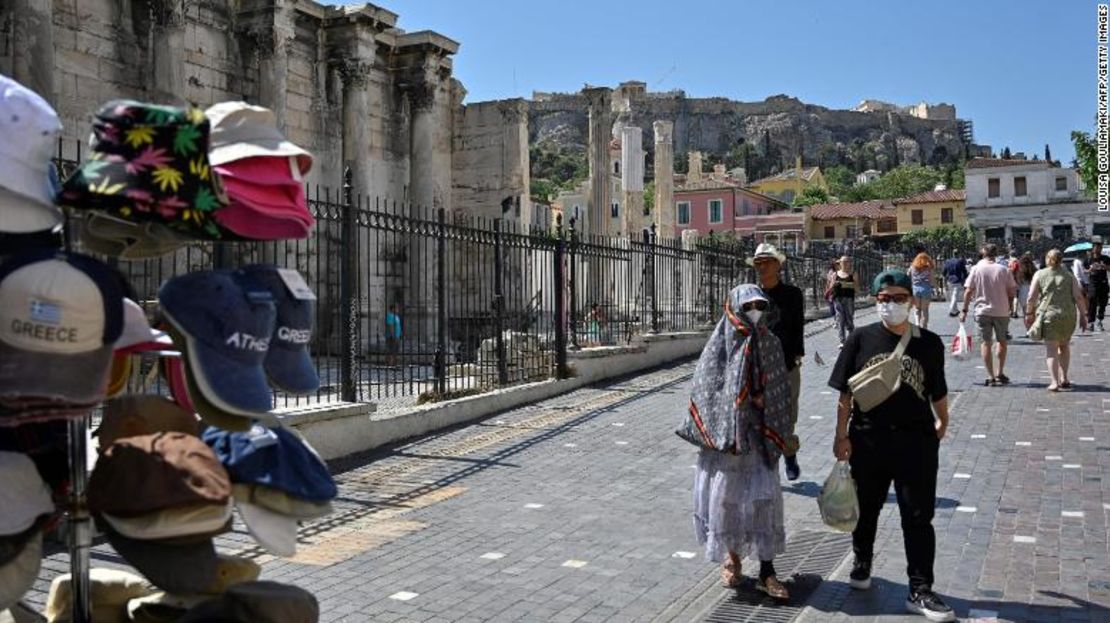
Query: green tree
[[1086, 159], [811, 195], [649, 197], [904, 181], [840, 179], [940, 240], [543, 189]]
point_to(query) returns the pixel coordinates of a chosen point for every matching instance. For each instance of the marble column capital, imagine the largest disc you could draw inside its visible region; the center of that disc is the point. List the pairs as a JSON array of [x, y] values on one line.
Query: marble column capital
[[167, 13], [354, 72], [270, 41], [664, 131]]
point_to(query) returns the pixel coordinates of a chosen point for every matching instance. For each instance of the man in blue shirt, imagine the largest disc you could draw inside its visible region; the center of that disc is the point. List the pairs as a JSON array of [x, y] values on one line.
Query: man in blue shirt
[[955, 273], [393, 334]]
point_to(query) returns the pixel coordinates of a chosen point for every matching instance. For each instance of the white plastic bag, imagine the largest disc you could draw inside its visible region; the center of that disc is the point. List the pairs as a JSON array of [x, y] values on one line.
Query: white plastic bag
[[961, 344], [838, 502]]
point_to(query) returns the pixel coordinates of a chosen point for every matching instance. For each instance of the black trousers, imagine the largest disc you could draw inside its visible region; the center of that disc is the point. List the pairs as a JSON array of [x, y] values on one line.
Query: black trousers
[[1096, 301], [909, 460]]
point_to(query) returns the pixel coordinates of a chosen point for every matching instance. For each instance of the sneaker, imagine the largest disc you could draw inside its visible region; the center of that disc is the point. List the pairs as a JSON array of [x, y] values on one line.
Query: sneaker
[[793, 470], [860, 579], [928, 603]]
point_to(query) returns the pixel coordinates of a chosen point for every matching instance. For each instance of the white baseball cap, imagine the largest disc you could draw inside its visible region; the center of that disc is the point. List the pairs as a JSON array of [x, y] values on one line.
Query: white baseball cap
[[138, 336], [240, 130], [60, 317], [275, 532], [28, 180], [24, 496]]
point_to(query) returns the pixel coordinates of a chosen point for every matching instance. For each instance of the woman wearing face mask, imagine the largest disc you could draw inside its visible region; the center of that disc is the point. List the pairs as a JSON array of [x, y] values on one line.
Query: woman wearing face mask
[[896, 441], [739, 416]]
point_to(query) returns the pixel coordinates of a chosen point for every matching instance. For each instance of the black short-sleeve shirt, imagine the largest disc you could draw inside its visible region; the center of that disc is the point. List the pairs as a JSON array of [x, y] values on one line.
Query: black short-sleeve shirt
[[788, 320], [923, 383]]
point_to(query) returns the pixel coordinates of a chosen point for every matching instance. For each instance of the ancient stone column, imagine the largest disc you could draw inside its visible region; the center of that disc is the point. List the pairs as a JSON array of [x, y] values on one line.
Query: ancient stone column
[[632, 181], [33, 46], [600, 133], [272, 41], [167, 65], [663, 211], [355, 74]]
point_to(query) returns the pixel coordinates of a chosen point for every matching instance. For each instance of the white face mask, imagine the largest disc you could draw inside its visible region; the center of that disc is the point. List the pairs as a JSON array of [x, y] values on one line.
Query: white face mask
[[754, 315], [893, 314]]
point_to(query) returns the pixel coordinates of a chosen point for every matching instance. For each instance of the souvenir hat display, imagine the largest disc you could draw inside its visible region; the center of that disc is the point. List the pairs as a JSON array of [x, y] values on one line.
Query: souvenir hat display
[[149, 163], [27, 502], [261, 171], [72, 330], [288, 473], [110, 590], [28, 181]]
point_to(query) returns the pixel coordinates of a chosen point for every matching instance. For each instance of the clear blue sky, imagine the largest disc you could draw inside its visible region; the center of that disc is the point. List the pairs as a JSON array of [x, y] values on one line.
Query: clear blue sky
[[1023, 71]]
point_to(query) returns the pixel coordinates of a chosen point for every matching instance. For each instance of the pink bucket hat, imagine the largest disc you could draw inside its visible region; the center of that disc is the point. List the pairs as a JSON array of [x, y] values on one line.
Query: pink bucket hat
[[266, 198]]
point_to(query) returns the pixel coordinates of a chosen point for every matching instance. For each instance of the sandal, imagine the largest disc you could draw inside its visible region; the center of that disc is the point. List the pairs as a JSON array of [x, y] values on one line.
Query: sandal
[[1065, 385], [989, 382], [774, 589], [1053, 388], [730, 575], [1002, 379]]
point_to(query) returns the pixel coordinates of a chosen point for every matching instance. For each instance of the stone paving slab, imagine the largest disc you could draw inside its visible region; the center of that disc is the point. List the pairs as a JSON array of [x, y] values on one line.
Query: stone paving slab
[[578, 508]]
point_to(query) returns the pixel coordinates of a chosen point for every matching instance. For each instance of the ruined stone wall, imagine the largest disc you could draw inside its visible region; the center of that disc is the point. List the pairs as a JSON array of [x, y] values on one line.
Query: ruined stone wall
[[490, 157]]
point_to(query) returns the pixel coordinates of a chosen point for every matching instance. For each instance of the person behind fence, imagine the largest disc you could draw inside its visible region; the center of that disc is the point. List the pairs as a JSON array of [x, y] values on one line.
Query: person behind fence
[[921, 274], [991, 285], [897, 440], [843, 288], [1055, 301], [392, 334], [1096, 266], [739, 415], [955, 272], [833, 267], [1023, 275], [787, 318], [595, 320]]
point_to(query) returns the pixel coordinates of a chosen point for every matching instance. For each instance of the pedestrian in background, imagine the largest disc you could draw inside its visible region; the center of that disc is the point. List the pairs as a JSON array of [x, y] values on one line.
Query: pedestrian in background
[[392, 334], [955, 272], [739, 416], [921, 275], [786, 318], [991, 286], [843, 287], [897, 441], [1097, 265], [1055, 301], [1023, 275], [833, 267]]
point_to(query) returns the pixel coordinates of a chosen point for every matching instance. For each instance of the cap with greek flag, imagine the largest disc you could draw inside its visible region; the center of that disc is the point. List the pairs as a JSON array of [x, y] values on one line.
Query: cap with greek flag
[[60, 316]]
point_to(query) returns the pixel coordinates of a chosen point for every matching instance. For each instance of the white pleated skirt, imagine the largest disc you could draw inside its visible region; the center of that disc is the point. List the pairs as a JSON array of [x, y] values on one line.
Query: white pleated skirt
[[738, 506]]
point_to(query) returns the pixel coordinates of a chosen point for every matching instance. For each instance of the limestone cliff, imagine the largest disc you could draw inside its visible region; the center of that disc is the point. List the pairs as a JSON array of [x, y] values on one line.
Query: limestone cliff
[[771, 132]]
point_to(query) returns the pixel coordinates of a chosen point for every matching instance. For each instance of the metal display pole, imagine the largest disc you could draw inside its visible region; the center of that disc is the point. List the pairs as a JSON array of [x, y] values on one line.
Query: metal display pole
[[80, 524]]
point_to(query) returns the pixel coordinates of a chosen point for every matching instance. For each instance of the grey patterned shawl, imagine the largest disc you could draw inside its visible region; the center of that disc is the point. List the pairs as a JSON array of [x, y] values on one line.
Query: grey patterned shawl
[[741, 397]]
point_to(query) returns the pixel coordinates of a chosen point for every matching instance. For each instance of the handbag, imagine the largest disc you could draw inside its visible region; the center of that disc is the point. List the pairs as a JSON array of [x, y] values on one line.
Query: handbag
[[874, 384]]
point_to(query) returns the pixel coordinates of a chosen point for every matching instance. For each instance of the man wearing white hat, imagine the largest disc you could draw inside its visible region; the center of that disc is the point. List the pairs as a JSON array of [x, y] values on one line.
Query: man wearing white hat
[[787, 318]]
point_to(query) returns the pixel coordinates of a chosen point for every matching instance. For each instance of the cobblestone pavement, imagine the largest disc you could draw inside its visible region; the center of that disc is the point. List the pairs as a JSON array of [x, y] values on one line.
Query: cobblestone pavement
[[578, 509]]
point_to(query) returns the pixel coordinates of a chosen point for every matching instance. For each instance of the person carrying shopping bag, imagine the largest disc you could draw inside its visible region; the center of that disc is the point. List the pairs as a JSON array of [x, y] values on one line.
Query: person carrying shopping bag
[[892, 436]]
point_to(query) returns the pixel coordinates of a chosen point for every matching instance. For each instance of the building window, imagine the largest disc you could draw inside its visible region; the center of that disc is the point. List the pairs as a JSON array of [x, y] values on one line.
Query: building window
[[577, 213], [830, 231], [1062, 232], [683, 208], [787, 196], [716, 211], [917, 217], [994, 234], [851, 231], [1019, 186], [1022, 233], [616, 167], [946, 215], [746, 207], [994, 188], [1061, 183], [615, 210], [888, 226]]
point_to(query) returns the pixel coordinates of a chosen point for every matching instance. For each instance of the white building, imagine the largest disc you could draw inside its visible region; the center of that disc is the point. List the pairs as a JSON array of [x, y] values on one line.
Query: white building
[[1029, 199], [868, 176]]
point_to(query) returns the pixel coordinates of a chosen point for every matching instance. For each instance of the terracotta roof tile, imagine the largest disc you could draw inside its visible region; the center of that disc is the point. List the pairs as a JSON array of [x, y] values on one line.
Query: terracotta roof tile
[[986, 163], [934, 196], [874, 209]]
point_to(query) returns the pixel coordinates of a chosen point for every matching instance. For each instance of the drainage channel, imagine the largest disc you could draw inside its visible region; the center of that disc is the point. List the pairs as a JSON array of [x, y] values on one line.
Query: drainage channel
[[810, 557]]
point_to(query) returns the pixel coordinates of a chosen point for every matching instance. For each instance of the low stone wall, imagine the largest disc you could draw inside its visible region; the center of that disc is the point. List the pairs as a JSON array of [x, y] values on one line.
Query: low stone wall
[[340, 429]]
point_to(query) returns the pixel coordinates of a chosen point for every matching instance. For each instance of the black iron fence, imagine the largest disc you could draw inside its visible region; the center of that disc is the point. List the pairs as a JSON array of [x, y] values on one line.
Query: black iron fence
[[417, 305]]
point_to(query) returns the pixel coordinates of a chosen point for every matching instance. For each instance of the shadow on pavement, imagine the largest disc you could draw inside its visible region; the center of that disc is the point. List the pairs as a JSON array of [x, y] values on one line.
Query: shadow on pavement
[[877, 602], [811, 489]]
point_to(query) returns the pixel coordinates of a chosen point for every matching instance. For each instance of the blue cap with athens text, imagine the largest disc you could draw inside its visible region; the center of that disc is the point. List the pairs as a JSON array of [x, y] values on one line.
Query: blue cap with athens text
[[227, 331]]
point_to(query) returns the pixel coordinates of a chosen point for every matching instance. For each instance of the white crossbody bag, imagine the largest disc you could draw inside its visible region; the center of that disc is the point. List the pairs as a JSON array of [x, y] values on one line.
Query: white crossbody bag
[[874, 384]]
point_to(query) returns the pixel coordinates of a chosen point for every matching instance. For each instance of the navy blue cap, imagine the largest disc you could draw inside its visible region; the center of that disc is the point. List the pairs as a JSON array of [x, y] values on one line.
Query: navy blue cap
[[275, 458], [288, 363], [227, 330]]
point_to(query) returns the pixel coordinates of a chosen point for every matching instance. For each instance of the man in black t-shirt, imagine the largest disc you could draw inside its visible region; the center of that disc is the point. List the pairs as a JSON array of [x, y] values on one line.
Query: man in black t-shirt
[[896, 441], [1098, 286], [787, 322]]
